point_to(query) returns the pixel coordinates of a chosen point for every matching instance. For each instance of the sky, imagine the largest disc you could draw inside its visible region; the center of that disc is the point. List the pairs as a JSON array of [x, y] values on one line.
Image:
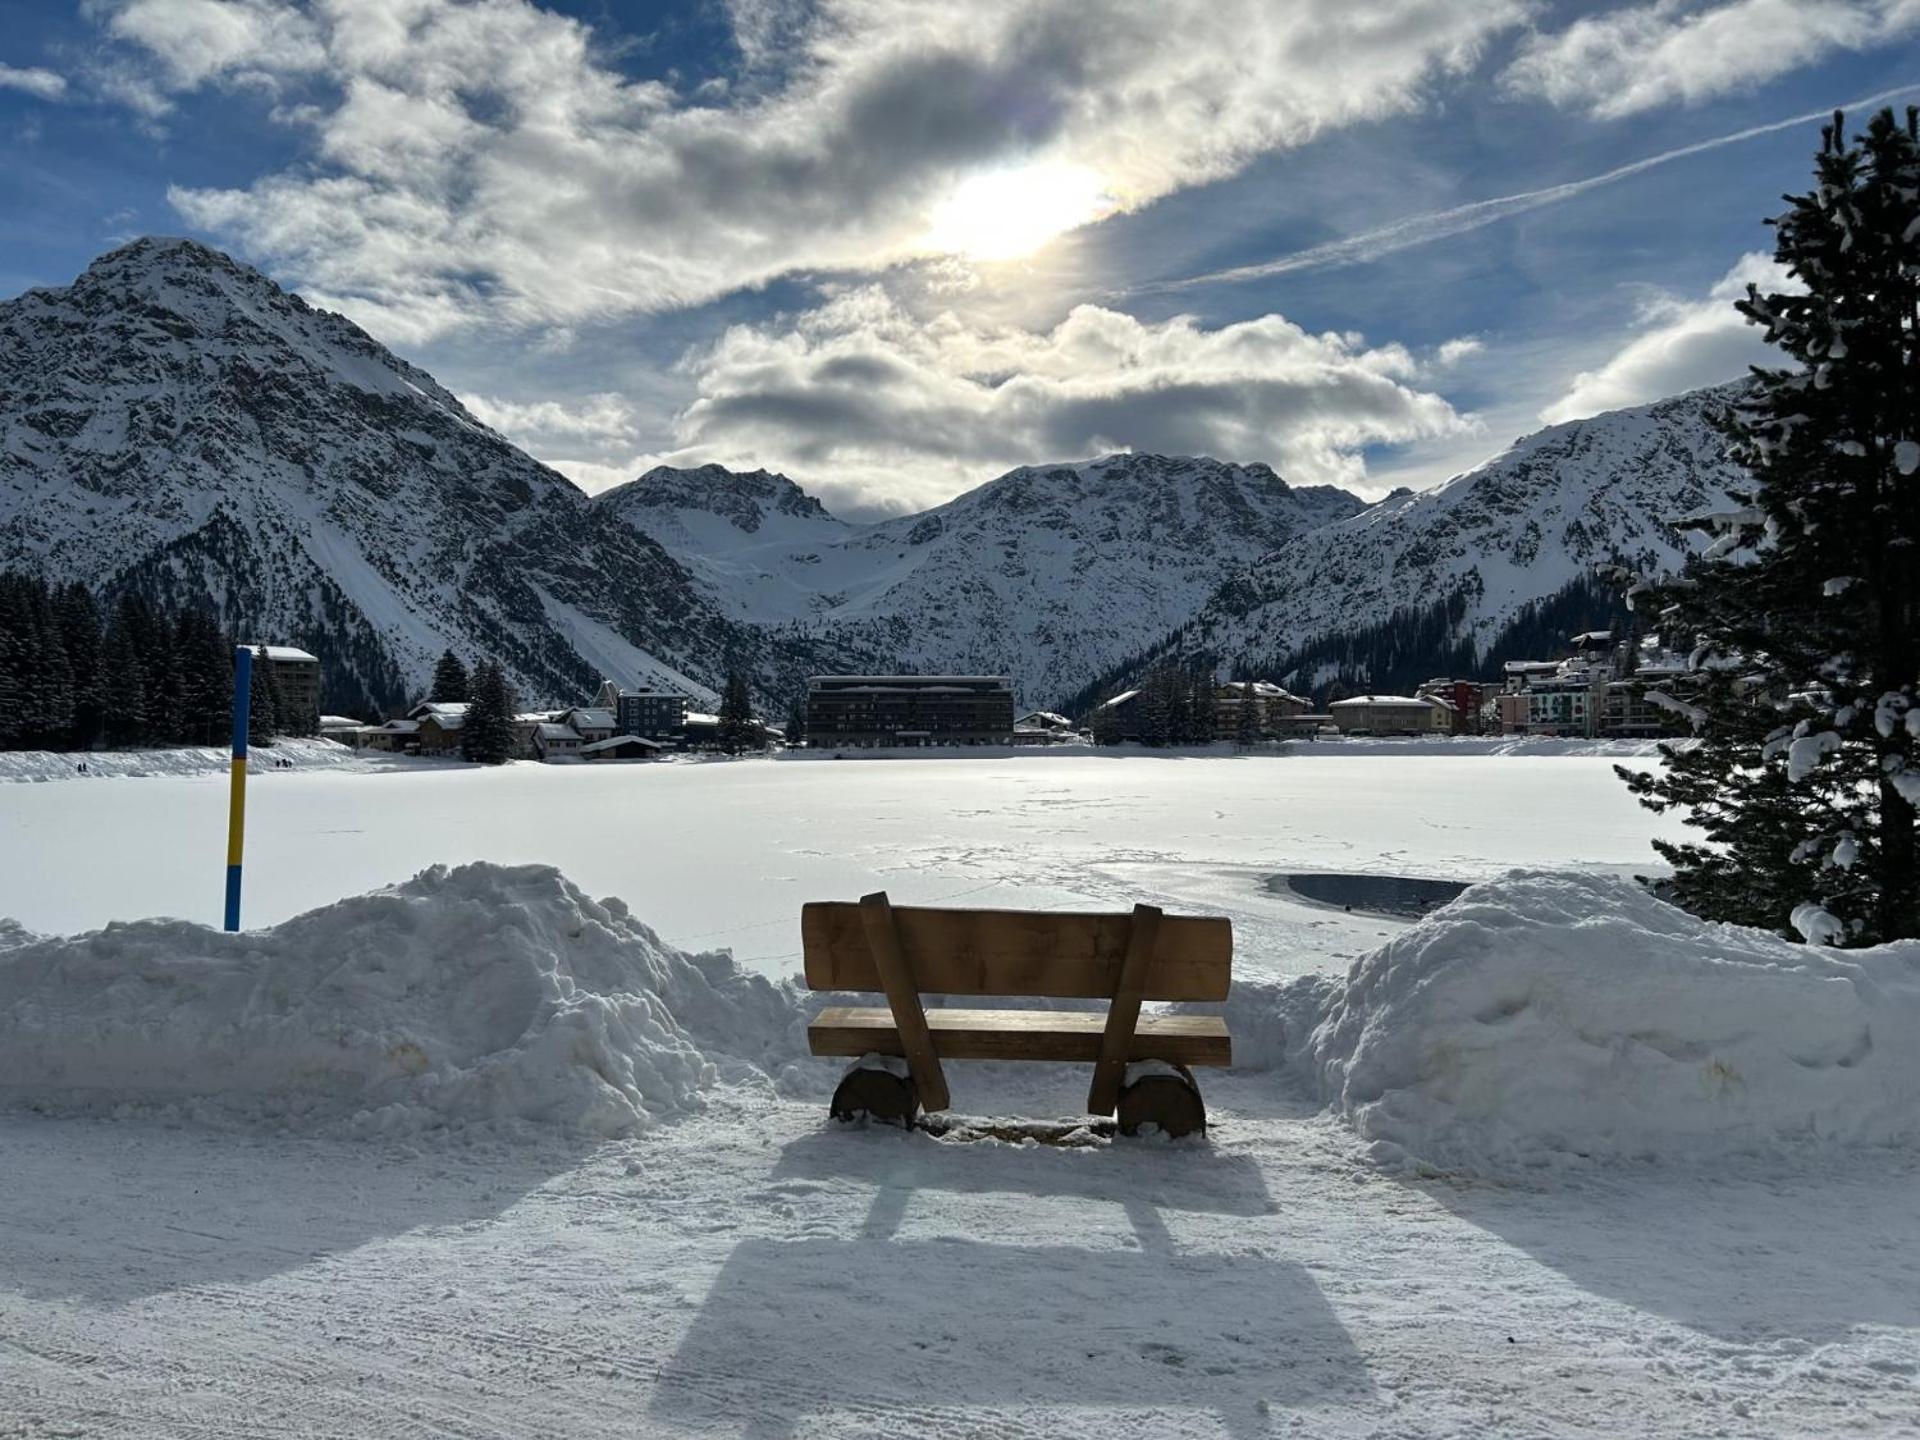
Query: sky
[[893, 248]]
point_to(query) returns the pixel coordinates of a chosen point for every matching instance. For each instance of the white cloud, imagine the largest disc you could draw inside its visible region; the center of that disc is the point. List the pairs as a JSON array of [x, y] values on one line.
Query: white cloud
[[540, 424], [1672, 50], [483, 160], [34, 80], [1452, 352], [878, 408], [1681, 345]]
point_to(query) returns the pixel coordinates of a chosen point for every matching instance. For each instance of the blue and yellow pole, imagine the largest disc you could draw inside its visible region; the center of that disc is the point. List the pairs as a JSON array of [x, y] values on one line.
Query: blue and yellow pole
[[237, 790]]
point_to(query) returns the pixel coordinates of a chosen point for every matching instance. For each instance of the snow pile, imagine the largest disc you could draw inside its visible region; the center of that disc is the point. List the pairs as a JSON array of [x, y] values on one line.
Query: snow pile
[[299, 754], [1543, 1016], [477, 995]]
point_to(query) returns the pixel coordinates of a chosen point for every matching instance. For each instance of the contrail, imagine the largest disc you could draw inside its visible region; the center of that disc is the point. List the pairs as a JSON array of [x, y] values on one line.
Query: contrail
[[1439, 224]]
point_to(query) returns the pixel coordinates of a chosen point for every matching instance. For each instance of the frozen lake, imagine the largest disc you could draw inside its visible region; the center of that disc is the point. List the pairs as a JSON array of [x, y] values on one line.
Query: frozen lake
[[724, 853]]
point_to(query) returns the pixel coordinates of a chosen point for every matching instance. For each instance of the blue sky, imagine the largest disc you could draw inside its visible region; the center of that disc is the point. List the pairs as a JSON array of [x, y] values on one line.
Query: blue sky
[[894, 247]]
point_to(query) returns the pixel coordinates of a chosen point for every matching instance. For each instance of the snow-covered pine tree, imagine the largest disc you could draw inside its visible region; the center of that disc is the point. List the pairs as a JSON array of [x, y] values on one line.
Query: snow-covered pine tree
[[486, 736], [797, 718], [1804, 617], [450, 684], [1105, 725]]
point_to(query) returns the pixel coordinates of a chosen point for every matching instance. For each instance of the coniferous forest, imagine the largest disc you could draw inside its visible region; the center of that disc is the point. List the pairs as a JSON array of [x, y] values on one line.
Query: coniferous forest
[[78, 673]]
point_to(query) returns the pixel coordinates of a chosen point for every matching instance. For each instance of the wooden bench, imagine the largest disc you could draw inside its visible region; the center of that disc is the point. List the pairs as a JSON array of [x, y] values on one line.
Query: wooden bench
[[1142, 1067]]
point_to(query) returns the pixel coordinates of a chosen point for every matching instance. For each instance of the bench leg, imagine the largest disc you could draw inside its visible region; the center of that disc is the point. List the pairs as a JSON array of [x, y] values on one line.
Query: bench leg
[[876, 1088], [1164, 1096]]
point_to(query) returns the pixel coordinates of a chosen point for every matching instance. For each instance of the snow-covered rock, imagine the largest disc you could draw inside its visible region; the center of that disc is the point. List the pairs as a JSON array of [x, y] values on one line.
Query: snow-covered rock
[[176, 421], [483, 995], [1050, 573], [1543, 1017]]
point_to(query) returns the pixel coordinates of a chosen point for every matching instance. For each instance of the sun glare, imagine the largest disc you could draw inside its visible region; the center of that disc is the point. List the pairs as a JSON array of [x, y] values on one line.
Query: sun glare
[[1008, 214]]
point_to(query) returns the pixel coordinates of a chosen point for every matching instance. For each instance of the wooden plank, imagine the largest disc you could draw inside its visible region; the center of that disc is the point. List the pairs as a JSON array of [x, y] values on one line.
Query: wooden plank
[[1018, 952], [1124, 1013], [1072, 1036], [903, 1002]]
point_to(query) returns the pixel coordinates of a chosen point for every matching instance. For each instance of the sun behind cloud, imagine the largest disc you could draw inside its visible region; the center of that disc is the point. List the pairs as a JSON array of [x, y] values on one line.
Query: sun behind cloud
[[1010, 212]]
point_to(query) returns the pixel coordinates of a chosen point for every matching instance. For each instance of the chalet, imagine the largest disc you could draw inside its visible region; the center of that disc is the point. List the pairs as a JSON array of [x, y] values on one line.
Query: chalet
[[590, 722], [554, 740], [1274, 707], [440, 723], [1043, 727], [1467, 697], [1392, 715], [909, 710], [1124, 717], [622, 747]]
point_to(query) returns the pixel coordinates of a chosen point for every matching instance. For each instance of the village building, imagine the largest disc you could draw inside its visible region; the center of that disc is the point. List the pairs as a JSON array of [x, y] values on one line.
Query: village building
[[1124, 717], [1276, 707], [296, 675], [1468, 699], [650, 714], [592, 723], [1043, 727], [439, 725], [1392, 715], [909, 710], [622, 747]]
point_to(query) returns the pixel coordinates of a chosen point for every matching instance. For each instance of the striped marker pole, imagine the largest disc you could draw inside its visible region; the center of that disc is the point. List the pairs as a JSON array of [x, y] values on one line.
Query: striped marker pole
[[237, 790]]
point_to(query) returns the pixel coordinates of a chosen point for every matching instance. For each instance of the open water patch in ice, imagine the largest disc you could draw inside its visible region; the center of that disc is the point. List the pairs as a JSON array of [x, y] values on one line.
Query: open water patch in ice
[[1397, 897]]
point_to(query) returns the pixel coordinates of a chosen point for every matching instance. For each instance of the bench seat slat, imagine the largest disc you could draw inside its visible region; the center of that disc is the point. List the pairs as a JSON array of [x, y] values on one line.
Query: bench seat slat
[[1022, 1035]]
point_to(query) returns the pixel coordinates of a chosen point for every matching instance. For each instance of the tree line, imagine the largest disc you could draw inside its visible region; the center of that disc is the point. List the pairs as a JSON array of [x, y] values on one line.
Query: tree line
[[77, 674]]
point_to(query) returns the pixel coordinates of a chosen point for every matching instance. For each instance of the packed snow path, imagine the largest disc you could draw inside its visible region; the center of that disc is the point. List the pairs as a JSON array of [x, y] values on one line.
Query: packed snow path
[[758, 1272]]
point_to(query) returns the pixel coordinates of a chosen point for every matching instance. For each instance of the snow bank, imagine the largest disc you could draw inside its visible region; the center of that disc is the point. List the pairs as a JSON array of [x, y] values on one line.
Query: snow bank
[[40, 765], [1546, 1016], [483, 994]]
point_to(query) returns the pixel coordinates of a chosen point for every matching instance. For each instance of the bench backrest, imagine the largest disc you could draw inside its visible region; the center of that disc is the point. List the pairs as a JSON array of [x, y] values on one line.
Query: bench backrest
[[1018, 952]]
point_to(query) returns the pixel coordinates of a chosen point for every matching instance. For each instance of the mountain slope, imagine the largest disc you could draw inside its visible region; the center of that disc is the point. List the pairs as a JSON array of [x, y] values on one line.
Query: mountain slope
[[176, 423], [1049, 573], [1527, 526]]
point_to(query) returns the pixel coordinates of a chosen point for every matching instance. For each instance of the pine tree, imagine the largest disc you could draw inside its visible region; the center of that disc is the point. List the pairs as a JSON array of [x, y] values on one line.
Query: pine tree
[[797, 718], [1247, 722], [79, 620], [737, 730], [123, 717], [263, 702], [1106, 726], [486, 736], [1805, 615], [451, 683]]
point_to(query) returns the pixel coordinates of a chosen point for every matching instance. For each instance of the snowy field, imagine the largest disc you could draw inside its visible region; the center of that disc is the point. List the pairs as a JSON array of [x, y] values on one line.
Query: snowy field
[[476, 1156], [723, 854]]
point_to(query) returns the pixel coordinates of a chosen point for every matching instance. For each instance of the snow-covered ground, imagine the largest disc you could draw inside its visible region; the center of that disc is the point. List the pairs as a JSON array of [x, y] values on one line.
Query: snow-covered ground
[[723, 854], [350, 1175]]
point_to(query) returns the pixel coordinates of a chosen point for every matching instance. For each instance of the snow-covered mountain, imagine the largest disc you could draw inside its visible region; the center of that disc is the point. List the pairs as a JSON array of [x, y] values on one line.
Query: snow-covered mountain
[[1049, 573], [175, 422], [1518, 530]]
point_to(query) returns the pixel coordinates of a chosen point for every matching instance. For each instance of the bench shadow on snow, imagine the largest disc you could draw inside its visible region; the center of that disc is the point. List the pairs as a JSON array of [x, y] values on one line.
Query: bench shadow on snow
[[132, 1213], [938, 1328], [1744, 1251]]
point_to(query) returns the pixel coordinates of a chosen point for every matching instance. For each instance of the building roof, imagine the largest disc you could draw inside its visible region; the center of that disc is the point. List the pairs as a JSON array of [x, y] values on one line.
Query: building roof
[[284, 652], [1044, 719], [614, 742], [1389, 702], [695, 717], [441, 710], [1265, 689], [337, 722], [400, 727], [548, 730], [586, 717], [1120, 699], [534, 717]]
